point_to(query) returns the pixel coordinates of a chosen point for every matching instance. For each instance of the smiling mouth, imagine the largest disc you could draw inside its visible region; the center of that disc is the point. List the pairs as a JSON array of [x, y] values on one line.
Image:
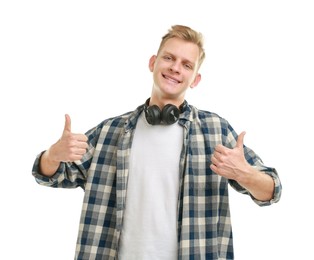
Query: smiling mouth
[[171, 79]]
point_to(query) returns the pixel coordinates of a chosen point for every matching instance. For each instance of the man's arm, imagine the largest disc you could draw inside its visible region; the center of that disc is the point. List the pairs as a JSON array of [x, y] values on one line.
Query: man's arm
[[231, 164]]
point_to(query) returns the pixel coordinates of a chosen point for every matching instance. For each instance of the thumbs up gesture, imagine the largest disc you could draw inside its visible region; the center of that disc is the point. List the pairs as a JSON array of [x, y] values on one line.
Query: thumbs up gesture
[[70, 146], [230, 163]]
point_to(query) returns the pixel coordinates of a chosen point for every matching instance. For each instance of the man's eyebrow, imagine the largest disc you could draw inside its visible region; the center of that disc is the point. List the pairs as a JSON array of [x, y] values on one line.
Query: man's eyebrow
[[184, 59]]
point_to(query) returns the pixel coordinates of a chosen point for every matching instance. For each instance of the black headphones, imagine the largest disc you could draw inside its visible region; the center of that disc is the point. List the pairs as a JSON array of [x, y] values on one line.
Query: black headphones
[[167, 116]]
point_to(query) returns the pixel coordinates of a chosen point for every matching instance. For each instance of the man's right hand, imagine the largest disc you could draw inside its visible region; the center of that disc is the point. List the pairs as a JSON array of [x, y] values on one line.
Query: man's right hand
[[68, 148]]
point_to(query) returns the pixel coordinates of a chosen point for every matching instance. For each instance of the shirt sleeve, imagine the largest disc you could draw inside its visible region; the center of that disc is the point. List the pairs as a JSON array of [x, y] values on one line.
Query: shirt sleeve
[[68, 175]]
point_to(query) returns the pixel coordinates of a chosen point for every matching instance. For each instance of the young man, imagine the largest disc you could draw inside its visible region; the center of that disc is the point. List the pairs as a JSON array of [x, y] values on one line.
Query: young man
[[156, 179]]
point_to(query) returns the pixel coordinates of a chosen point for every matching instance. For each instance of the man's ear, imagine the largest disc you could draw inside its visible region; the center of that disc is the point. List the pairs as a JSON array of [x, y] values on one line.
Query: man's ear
[[152, 63], [197, 79]]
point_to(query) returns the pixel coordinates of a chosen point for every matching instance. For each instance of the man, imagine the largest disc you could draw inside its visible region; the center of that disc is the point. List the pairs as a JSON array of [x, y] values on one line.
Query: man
[[156, 179]]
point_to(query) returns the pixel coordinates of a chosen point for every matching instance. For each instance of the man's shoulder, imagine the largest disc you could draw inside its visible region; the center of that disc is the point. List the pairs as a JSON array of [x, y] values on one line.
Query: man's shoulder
[[116, 122], [206, 114]]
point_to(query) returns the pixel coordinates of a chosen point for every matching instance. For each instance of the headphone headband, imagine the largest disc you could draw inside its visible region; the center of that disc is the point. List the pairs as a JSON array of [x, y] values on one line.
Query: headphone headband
[[167, 116]]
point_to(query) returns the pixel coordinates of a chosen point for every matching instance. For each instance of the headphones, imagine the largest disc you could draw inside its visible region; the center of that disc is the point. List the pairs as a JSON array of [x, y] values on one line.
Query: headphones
[[167, 116]]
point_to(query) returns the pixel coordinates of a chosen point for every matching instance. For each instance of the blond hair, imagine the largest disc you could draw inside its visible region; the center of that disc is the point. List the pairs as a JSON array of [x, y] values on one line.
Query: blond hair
[[187, 34]]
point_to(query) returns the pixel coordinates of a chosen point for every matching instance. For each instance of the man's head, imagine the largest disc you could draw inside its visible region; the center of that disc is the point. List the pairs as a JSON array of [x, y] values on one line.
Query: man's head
[[175, 67]]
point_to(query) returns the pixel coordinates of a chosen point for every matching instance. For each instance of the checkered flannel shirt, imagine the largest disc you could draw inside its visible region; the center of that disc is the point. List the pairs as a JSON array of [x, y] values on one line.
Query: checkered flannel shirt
[[203, 224]]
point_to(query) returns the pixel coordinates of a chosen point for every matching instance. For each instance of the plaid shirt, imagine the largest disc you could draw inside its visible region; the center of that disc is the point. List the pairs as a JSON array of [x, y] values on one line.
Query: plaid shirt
[[204, 227]]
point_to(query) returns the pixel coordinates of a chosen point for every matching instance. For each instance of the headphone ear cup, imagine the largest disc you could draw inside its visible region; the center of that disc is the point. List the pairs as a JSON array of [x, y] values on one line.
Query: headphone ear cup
[[153, 115], [170, 114]]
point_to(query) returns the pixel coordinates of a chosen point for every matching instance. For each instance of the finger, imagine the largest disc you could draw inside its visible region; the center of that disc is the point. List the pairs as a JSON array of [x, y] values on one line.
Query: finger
[[80, 151], [220, 148], [214, 168], [214, 160], [240, 140], [80, 137], [82, 143], [67, 124]]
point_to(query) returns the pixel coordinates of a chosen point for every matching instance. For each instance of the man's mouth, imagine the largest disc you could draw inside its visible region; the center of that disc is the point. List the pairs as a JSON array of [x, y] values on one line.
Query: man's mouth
[[174, 80]]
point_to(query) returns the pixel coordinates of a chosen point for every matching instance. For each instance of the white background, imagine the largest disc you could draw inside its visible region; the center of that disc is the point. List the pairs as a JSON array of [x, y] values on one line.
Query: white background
[[90, 59]]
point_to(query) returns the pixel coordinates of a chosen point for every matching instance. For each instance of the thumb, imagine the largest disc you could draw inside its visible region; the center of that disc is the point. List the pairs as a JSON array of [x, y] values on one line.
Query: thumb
[[67, 124], [240, 140]]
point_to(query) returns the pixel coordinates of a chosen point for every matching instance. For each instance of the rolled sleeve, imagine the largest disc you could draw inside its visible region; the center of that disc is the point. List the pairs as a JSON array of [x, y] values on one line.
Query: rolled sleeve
[[68, 175], [277, 188], [44, 180]]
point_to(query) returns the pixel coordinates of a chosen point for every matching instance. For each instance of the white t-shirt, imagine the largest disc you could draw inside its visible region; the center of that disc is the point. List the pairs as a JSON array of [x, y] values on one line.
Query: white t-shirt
[[150, 219]]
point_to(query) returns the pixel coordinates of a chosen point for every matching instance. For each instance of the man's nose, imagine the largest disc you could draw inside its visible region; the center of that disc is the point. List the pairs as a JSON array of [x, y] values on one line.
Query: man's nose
[[175, 67]]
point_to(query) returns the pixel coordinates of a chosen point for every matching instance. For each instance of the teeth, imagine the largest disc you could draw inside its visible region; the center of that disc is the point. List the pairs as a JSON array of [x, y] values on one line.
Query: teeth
[[171, 79]]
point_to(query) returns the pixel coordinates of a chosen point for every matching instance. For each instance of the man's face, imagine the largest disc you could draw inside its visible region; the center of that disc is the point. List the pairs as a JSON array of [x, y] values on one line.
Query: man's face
[[175, 69]]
